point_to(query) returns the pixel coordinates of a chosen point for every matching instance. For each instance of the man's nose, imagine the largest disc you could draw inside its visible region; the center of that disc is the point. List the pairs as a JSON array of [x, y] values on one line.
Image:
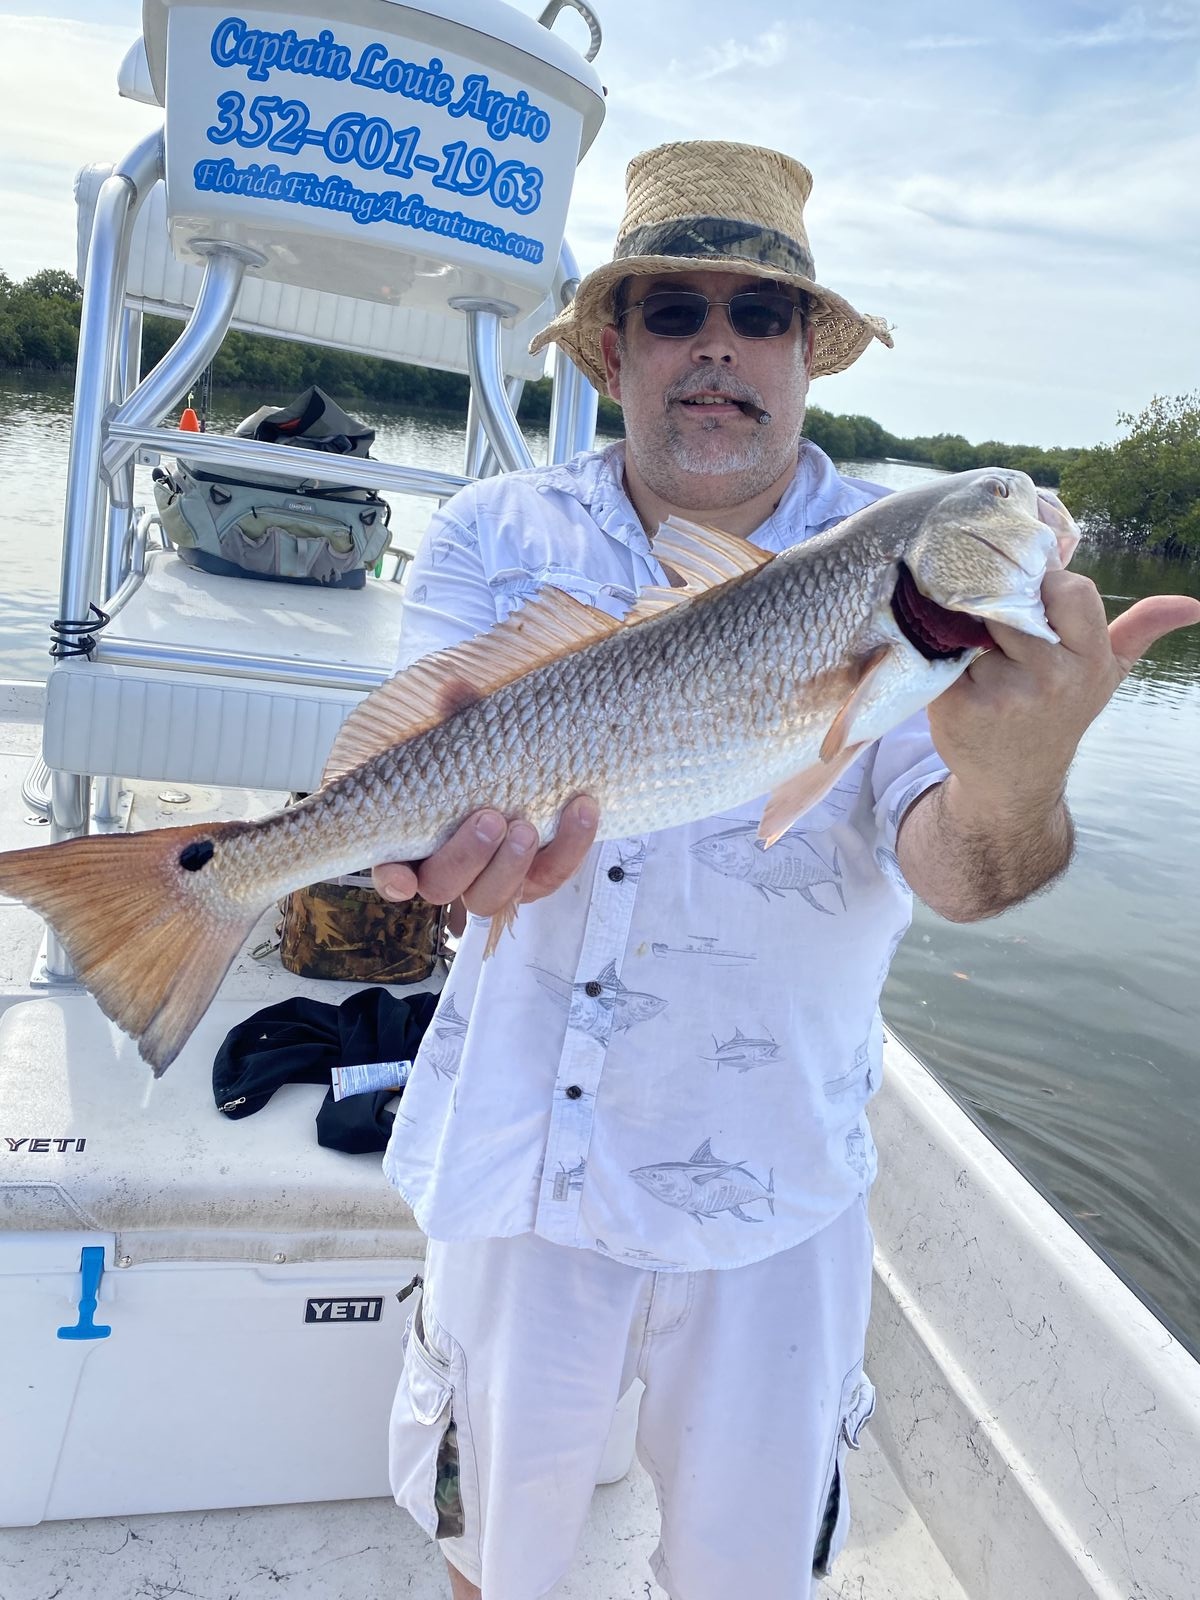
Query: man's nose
[[716, 340]]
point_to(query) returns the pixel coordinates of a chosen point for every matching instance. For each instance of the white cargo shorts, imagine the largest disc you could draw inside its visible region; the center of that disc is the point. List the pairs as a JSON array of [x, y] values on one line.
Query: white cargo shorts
[[519, 1350]]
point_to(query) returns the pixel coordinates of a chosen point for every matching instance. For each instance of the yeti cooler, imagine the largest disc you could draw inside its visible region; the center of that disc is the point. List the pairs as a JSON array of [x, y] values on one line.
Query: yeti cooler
[[197, 1312]]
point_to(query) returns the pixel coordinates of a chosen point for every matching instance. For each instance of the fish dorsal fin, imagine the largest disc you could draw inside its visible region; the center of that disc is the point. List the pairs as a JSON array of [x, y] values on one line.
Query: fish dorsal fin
[[551, 625], [704, 558]]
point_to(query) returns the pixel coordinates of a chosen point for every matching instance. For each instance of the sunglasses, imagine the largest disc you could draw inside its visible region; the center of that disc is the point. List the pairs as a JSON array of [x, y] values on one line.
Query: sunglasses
[[681, 313]]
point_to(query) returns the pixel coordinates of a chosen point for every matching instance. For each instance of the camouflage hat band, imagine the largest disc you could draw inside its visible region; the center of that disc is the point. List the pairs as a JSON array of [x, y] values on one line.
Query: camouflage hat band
[[718, 237]]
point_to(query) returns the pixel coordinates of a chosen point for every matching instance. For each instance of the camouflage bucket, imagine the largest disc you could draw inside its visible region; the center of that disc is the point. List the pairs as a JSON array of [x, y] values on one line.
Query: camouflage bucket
[[344, 929]]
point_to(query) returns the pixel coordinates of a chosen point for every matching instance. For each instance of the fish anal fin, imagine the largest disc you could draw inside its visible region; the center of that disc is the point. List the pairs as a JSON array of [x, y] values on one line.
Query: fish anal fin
[[842, 726], [502, 923], [800, 793], [745, 1216], [552, 625]]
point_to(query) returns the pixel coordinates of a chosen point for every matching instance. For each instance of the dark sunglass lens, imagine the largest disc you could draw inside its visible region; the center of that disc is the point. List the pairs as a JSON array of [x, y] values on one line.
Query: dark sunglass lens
[[761, 314], [674, 314]]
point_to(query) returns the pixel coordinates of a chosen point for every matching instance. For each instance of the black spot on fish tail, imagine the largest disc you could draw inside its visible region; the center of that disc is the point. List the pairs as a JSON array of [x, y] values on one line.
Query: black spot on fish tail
[[196, 855]]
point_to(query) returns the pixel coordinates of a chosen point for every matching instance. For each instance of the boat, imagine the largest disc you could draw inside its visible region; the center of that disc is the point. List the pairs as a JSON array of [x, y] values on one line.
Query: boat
[[203, 1318]]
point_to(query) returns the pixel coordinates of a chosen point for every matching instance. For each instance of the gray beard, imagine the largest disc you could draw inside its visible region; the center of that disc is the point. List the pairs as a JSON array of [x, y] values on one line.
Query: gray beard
[[707, 455]]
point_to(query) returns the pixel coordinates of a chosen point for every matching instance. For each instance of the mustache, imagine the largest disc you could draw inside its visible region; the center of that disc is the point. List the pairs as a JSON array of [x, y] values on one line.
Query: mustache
[[722, 383]]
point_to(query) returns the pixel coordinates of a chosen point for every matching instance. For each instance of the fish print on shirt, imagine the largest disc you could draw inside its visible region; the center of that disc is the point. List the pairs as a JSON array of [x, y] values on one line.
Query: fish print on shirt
[[443, 548], [601, 1006], [632, 861], [744, 1053], [419, 594], [514, 586], [791, 866], [638, 1258], [705, 945], [856, 1152], [857, 1075], [900, 806], [450, 1034], [888, 863], [569, 1180], [703, 1186]]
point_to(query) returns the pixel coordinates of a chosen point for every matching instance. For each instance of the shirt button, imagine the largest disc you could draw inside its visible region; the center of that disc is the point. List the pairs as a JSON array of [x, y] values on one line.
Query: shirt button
[[593, 988], [574, 1092], [615, 874]]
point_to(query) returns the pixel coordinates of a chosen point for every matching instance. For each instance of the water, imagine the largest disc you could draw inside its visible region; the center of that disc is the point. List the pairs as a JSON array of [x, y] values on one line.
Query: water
[[1070, 1026]]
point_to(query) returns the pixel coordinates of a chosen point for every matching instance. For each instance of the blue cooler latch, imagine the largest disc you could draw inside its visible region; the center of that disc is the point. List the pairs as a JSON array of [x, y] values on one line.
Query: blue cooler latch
[[91, 1270]]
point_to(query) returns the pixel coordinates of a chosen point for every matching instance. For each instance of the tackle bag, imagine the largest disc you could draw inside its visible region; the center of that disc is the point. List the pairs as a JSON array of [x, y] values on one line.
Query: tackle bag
[[287, 529], [343, 928]]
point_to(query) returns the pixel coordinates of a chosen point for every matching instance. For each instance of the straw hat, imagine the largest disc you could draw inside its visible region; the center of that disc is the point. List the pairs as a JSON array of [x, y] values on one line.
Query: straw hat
[[708, 205]]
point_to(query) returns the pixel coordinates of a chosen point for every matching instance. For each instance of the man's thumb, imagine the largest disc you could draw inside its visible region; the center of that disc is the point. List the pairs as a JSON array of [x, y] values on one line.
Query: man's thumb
[[1135, 630]]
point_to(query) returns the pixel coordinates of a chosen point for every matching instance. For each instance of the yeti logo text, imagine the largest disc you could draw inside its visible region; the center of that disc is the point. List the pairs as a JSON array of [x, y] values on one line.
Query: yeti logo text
[[42, 1147], [363, 1309]]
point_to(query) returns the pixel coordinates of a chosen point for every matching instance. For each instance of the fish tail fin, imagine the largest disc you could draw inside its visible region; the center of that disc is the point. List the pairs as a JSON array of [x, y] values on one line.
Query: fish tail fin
[[148, 932], [771, 1191]]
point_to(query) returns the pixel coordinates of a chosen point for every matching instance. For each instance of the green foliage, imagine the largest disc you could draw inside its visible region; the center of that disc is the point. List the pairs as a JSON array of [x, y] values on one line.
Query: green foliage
[[1145, 489], [52, 283], [39, 320]]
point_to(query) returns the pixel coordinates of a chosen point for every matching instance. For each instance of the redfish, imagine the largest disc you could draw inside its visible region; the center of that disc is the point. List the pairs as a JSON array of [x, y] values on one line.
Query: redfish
[[756, 674]]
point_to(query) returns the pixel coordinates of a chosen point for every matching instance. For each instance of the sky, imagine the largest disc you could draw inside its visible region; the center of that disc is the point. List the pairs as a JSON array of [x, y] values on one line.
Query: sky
[[1014, 185]]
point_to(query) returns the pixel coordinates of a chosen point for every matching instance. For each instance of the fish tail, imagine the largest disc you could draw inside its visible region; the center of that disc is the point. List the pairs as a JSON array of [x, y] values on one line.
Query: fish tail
[[771, 1191], [148, 931]]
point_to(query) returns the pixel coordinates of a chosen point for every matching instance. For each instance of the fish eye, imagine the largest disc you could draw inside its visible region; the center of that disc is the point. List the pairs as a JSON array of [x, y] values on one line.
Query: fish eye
[[1000, 488]]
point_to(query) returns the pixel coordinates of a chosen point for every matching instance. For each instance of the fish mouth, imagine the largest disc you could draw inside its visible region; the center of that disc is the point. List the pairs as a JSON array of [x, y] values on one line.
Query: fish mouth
[[938, 634]]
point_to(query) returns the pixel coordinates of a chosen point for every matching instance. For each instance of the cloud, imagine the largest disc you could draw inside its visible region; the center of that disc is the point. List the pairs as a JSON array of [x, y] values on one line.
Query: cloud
[[948, 41], [732, 55], [1168, 24]]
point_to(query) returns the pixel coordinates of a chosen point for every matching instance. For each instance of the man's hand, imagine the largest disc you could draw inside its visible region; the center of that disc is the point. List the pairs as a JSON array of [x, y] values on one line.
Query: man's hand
[[1009, 728], [998, 829], [490, 863]]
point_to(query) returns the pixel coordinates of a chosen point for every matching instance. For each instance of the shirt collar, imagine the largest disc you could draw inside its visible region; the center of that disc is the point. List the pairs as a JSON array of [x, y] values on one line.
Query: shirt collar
[[816, 498]]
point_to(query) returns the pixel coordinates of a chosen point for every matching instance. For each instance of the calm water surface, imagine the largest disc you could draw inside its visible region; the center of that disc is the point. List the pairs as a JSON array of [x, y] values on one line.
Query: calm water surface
[[1070, 1026]]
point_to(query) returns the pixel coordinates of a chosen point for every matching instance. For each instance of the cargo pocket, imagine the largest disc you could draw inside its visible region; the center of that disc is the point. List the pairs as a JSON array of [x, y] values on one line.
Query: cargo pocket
[[857, 1408], [423, 1447]]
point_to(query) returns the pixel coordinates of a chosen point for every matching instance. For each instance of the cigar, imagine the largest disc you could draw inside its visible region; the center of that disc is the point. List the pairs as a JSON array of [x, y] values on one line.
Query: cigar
[[760, 416]]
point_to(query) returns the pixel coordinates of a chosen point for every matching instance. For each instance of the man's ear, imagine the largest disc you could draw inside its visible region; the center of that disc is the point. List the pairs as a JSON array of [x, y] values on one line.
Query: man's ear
[[610, 349]]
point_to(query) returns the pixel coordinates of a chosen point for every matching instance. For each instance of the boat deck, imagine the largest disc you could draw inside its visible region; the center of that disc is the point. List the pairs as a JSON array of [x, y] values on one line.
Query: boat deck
[[361, 1547], [367, 1548]]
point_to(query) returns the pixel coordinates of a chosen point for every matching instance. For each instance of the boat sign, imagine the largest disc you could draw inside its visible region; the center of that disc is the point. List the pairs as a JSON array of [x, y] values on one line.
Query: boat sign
[[441, 157]]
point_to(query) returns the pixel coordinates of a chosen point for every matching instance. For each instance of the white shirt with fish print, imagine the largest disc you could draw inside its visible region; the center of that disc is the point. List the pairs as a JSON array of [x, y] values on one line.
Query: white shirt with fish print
[[669, 1062]]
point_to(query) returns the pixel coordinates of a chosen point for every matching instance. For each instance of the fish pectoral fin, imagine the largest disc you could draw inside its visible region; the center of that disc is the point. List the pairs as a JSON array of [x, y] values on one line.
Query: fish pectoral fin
[[502, 922], [800, 793], [842, 726], [552, 625]]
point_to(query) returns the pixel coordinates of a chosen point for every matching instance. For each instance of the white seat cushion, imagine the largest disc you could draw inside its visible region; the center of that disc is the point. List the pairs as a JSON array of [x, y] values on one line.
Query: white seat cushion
[[162, 721]]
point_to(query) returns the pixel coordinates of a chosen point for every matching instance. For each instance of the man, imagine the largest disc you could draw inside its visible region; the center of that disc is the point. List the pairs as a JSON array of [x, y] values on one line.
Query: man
[[635, 1135]]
